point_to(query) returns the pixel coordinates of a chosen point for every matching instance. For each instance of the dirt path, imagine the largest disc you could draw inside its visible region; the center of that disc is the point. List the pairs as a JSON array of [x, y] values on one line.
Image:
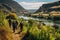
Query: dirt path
[[17, 36]]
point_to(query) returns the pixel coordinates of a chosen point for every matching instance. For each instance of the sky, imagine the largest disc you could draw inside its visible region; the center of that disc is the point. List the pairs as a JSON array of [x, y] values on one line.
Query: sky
[[33, 4]]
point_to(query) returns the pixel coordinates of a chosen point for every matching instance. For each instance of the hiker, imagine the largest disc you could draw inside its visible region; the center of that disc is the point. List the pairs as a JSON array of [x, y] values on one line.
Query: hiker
[[21, 26], [55, 26], [10, 22], [44, 24], [14, 25]]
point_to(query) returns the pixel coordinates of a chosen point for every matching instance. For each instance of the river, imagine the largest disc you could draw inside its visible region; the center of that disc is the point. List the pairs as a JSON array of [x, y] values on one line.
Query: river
[[47, 22]]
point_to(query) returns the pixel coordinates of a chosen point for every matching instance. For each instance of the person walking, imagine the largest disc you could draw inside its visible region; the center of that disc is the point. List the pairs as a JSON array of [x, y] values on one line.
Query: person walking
[[14, 25], [21, 26], [10, 22]]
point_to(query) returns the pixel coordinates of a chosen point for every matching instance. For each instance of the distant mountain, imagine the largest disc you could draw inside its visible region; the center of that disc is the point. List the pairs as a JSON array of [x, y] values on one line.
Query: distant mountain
[[32, 10], [12, 6], [50, 7]]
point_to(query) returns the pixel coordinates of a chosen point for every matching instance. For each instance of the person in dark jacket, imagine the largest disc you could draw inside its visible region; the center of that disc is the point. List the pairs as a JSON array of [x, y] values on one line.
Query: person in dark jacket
[[14, 25], [21, 26], [10, 22]]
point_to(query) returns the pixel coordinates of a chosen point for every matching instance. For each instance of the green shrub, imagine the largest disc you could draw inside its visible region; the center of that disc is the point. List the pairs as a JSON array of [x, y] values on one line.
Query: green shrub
[[1, 18], [5, 31], [44, 33]]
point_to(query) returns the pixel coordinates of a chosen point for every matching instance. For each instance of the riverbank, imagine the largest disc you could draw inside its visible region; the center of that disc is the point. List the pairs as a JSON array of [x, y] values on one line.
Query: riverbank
[[45, 21]]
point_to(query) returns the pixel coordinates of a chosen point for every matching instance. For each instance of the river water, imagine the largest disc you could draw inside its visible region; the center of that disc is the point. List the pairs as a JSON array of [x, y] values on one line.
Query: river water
[[47, 22]]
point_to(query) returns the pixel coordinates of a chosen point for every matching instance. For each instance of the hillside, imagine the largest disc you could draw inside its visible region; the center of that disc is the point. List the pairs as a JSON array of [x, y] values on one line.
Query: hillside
[[12, 6], [49, 7]]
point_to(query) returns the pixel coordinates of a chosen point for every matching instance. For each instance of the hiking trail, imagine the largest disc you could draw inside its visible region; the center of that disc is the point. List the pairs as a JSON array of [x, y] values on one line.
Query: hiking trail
[[18, 36]]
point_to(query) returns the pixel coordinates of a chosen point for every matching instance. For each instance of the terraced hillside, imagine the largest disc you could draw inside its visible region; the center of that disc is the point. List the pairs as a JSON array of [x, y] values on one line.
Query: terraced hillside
[[50, 7]]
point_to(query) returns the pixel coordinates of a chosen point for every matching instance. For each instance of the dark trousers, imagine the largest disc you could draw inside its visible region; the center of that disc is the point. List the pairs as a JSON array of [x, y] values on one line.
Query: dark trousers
[[14, 28], [21, 28]]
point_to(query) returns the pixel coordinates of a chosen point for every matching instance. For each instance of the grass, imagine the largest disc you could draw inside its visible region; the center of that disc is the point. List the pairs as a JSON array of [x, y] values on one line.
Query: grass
[[42, 32], [34, 30], [5, 31], [5, 34]]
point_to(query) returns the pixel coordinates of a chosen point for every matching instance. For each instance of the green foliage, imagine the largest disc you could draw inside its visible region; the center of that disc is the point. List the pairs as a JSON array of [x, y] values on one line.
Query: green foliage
[[1, 17], [30, 22], [12, 16], [5, 31], [31, 28], [44, 33]]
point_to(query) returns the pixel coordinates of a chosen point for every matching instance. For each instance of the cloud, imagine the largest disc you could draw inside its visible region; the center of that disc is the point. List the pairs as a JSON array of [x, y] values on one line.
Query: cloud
[[31, 5]]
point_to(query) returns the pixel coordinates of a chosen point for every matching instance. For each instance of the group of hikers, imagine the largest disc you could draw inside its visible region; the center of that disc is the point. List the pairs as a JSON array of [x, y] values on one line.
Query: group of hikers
[[14, 25]]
